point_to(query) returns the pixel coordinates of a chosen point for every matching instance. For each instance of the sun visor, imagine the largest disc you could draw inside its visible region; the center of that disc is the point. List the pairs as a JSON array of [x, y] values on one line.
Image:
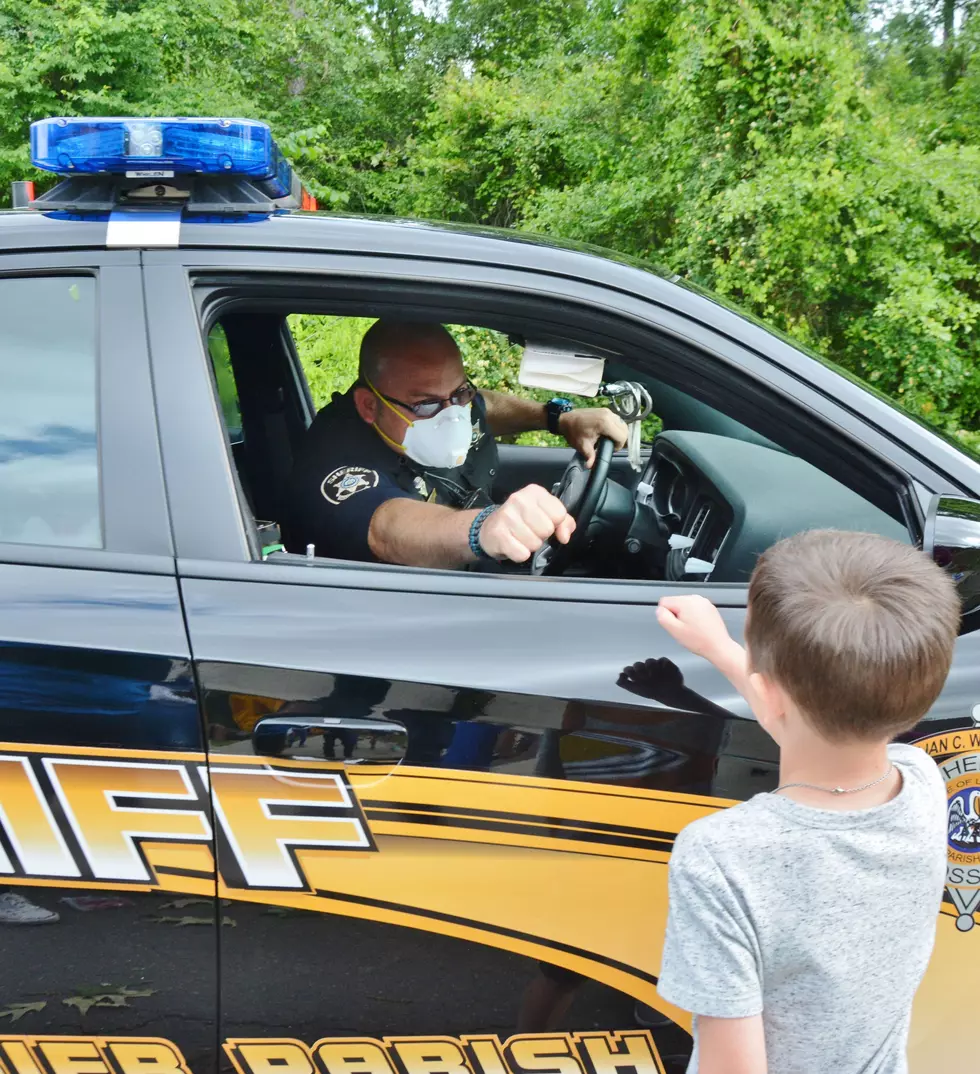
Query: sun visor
[[559, 370]]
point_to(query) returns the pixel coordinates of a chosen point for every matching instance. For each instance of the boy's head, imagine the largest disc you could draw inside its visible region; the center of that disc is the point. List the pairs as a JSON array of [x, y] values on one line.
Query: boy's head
[[856, 629]]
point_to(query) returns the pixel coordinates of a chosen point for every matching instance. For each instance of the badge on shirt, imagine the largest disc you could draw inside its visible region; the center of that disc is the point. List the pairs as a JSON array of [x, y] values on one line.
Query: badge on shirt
[[346, 481]]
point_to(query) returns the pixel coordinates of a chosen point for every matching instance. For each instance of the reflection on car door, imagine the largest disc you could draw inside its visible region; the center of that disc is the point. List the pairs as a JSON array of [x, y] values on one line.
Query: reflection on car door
[[434, 842]]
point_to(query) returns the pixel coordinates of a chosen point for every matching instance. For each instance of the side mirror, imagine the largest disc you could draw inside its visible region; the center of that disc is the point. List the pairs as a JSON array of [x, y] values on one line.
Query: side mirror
[[952, 538]]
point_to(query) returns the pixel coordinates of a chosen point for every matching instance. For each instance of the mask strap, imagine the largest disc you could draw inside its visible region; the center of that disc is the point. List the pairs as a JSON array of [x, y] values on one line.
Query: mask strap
[[400, 448], [387, 404], [377, 428]]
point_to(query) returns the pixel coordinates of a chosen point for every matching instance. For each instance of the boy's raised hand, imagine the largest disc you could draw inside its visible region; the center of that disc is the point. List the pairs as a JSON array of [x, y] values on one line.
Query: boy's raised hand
[[695, 623]]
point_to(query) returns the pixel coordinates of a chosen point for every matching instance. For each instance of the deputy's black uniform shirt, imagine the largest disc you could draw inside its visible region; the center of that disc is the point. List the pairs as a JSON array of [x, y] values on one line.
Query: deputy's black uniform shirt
[[345, 471]]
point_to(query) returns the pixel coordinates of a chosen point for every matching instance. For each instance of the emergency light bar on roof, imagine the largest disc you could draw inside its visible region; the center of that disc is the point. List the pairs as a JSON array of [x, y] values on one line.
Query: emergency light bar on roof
[[210, 165]]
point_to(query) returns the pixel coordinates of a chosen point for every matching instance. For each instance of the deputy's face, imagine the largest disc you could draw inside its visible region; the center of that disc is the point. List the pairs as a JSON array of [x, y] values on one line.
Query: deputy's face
[[417, 372]]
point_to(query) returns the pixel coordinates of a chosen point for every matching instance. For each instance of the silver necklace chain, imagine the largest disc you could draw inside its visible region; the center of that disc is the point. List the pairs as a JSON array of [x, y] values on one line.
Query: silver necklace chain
[[838, 790]]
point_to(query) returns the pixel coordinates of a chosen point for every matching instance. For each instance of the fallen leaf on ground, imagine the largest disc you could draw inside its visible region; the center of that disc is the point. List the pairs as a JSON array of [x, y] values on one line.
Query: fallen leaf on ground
[[116, 998], [16, 1011], [82, 1003], [88, 903], [180, 922]]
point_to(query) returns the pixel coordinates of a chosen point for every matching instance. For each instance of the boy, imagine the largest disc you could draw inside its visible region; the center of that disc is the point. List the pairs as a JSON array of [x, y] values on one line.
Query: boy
[[801, 922]]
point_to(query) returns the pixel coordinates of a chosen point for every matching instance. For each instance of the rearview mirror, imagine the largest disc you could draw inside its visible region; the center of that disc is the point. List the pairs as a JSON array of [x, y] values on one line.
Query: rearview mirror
[[952, 538]]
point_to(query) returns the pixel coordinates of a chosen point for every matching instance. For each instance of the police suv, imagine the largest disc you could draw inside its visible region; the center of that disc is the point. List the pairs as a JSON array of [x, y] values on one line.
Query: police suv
[[288, 814]]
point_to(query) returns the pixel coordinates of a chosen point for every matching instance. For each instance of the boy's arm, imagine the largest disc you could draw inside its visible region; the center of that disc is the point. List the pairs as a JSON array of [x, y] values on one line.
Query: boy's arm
[[695, 623], [731, 1046]]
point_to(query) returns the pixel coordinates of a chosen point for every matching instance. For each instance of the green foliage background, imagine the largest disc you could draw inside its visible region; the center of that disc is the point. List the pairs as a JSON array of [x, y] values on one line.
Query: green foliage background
[[816, 161], [329, 348]]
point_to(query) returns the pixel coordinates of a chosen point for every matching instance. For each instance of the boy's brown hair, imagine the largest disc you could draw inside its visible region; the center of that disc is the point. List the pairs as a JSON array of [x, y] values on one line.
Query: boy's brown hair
[[858, 629]]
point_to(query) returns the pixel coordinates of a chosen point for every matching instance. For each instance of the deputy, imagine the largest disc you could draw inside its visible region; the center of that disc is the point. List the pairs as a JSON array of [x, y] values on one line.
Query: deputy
[[400, 468]]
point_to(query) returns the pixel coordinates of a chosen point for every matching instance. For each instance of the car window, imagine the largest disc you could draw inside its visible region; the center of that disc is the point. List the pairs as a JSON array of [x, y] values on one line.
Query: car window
[[225, 381], [706, 496], [328, 350], [49, 469]]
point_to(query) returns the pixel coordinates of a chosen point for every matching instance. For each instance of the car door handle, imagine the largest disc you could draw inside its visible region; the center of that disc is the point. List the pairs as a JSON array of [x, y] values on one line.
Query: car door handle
[[364, 740], [332, 723]]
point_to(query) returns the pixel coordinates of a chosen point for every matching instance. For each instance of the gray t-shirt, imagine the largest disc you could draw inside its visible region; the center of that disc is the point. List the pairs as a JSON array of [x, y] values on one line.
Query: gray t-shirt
[[822, 920]]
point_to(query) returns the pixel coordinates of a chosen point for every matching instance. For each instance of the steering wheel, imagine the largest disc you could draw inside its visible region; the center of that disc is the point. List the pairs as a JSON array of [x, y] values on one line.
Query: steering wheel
[[580, 490]]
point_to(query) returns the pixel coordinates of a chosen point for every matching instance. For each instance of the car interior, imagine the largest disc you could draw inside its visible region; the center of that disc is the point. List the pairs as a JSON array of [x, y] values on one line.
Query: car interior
[[713, 490]]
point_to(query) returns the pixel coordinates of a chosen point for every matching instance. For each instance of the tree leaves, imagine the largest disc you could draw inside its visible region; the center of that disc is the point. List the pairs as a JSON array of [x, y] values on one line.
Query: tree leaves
[[817, 168], [751, 153]]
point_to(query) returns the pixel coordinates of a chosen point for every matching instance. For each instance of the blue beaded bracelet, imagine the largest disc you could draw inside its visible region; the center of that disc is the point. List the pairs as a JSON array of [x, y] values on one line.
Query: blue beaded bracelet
[[475, 547]]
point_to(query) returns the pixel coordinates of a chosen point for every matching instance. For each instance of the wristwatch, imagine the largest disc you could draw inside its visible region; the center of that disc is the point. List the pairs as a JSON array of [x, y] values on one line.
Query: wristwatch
[[554, 410]]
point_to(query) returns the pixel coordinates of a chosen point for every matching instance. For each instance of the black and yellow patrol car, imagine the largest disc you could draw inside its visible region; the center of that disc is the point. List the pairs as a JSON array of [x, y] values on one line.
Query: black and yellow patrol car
[[286, 814]]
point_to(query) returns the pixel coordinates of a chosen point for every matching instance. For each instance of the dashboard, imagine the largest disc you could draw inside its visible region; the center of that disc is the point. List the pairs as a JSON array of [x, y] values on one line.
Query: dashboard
[[707, 505]]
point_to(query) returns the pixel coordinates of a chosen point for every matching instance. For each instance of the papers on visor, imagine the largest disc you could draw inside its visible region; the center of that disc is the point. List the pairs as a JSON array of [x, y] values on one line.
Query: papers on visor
[[565, 371]]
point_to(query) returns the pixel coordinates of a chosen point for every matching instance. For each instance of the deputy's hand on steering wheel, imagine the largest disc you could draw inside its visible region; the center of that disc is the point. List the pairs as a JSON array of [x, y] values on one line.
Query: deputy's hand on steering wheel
[[583, 428], [523, 522]]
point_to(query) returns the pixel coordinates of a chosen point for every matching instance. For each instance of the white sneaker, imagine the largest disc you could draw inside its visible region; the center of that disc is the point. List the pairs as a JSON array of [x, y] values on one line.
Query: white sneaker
[[16, 910]]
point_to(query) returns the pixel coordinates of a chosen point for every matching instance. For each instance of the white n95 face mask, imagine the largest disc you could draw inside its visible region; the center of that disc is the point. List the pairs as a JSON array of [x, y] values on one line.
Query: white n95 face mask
[[442, 442]]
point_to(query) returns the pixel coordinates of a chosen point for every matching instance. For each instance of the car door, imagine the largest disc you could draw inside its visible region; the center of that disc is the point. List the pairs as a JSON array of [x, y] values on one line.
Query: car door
[[444, 810], [105, 847]]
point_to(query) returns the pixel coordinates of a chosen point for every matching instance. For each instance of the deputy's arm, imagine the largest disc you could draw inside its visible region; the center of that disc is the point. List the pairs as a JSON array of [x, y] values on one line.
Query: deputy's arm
[[429, 535], [508, 415]]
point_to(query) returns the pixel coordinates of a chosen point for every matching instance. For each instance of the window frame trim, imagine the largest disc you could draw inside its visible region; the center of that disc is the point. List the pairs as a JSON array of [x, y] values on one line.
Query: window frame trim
[[133, 515], [327, 270], [691, 355]]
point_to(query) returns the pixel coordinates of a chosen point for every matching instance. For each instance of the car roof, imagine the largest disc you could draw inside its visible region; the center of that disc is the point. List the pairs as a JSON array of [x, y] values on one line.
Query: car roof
[[326, 232], [29, 229]]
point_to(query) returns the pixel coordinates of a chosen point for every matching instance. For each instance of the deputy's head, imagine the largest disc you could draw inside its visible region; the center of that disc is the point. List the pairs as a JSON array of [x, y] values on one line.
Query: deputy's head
[[412, 389]]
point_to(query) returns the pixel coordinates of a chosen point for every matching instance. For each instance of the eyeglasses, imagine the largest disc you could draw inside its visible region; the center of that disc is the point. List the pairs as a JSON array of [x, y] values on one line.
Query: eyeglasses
[[428, 408]]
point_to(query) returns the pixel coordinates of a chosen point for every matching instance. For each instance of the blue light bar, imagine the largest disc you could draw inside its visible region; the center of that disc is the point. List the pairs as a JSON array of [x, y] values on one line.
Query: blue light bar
[[161, 148]]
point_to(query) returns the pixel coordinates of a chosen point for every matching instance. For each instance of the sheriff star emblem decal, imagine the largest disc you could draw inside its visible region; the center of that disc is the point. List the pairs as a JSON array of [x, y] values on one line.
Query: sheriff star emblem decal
[[347, 481]]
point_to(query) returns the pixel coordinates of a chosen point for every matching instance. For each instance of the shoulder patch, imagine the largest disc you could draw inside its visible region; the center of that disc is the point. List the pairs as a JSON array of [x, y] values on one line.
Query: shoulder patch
[[347, 481]]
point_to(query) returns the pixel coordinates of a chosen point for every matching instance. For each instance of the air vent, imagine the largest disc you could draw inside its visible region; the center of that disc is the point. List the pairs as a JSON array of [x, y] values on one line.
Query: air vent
[[697, 527], [712, 536]]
